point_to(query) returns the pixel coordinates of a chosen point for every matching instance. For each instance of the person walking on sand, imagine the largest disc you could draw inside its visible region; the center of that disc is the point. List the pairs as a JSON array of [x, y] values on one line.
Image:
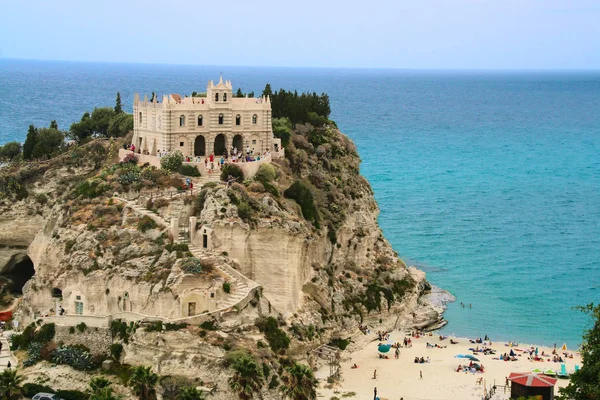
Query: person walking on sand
[[420, 374], [374, 374]]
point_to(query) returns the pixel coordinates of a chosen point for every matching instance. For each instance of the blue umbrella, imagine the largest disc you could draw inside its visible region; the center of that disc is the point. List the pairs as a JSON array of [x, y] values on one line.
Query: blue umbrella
[[472, 358], [384, 348]]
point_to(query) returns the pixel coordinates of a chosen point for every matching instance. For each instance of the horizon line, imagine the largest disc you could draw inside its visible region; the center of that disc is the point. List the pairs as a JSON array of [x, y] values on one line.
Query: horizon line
[[424, 69]]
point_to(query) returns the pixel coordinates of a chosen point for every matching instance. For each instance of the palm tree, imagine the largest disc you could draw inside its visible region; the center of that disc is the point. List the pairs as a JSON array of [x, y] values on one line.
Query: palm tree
[[299, 383], [105, 393], [247, 379], [98, 383], [191, 393], [10, 385], [143, 382]]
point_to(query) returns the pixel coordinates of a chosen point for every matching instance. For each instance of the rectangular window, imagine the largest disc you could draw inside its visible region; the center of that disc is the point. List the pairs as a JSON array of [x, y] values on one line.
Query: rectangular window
[[254, 141], [181, 144], [77, 297]]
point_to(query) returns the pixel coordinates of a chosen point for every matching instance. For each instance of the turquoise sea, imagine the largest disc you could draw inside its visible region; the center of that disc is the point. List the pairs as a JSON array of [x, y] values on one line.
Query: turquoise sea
[[488, 181]]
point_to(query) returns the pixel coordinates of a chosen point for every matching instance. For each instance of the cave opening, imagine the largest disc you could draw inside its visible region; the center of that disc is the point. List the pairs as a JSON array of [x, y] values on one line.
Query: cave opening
[[17, 276]]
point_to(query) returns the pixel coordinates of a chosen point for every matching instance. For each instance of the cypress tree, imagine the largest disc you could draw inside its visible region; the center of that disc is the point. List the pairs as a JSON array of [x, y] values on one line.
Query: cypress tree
[[118, 105], [54, 124], [30, 142]]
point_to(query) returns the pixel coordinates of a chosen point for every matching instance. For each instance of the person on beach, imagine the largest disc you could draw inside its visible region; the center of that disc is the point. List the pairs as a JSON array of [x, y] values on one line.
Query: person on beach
[[375, 374], [420, 374]]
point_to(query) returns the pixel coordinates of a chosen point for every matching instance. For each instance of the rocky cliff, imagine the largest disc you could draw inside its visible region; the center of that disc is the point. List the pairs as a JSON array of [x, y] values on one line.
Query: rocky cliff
[[304, 229]]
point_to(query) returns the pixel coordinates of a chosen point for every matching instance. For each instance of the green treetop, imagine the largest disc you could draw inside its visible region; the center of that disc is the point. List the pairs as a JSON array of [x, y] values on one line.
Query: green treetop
[[118, 105]]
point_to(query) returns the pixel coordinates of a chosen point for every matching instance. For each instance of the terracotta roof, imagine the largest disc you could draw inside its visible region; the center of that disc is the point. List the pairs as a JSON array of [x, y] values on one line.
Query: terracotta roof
[[531, 379], [176, 97]]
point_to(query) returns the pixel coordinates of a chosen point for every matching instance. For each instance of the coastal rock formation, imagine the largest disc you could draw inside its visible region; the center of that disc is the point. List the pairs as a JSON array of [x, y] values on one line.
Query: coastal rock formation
[[109, 241]]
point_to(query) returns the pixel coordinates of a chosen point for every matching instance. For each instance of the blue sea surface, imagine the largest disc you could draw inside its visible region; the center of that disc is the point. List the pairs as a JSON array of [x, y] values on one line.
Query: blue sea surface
[[488, 181]]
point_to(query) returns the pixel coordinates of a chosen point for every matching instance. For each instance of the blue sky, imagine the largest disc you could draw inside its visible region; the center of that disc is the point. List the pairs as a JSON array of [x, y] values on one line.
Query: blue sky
[[463, 34]]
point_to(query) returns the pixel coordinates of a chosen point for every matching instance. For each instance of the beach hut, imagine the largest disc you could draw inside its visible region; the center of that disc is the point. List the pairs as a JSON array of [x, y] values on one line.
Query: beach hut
[[526, 384]]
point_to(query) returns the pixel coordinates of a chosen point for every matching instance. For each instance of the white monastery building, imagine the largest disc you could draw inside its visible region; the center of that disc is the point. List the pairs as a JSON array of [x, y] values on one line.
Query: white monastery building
[[199, 126]]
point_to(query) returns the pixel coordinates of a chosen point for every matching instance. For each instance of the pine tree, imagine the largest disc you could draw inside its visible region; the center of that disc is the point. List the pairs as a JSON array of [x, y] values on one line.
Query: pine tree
[[152, 98], [30, 142], [239, 93], [54, 124], [118, 105]]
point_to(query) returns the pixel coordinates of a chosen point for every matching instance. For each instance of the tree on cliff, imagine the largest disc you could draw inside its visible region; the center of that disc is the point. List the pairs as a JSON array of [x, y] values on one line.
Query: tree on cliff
[[143, 381], [10, 151], [49, 142], [54, 124], [30, 141], [247, 379], [118, 104], [10, 385], [585, 383], [299, 383]]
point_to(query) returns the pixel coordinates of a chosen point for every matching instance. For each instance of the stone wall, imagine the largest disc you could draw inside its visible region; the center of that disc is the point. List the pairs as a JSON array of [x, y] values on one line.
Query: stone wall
[[98, 340]]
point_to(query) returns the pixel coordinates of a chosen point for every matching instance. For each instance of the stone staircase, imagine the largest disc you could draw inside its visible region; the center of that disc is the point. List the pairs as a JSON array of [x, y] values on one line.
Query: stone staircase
[[240, 284], [5, 354]]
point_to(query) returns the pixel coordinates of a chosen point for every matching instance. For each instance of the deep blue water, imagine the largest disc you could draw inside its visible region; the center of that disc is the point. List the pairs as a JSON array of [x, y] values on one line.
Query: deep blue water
[[488, 181]]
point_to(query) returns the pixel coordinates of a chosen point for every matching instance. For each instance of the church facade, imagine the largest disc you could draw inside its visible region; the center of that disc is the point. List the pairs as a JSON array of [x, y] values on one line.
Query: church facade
[[199, 126]]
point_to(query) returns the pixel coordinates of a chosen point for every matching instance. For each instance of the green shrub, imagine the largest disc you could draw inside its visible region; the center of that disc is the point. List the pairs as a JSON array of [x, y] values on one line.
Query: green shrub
[[269, 187], [189, 170], [171, 247], [209, 325], [72, 395], [266, 173], [304, 197], [339, 343], [41, 198], [81, 327], [200, 200], [245, 212], [278, 340], [45, 333], [175, 327], [172, 161], [233, 170], [146, 223], [154, 326], [116, 349], [226, 287], [31, 389], [91, 189]]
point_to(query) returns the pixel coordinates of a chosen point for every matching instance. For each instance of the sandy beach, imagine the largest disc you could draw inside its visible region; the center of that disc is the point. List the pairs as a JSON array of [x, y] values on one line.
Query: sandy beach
[[400, 378]]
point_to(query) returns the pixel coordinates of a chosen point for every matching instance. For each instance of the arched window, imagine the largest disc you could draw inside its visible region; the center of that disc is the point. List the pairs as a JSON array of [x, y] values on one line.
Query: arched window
[[182, 120], [220, 119], [254, 119], [199, 120], [140, 117], [216, 96], [238, 119], [224, 96]]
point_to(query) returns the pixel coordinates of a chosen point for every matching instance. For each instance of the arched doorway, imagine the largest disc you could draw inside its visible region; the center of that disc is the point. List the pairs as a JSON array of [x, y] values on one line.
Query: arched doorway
[[220, 144], [238, 142], [200, 146]]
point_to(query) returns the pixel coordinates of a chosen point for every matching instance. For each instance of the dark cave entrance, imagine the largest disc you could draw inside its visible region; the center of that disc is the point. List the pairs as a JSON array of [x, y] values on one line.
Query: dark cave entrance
[[17, 276]]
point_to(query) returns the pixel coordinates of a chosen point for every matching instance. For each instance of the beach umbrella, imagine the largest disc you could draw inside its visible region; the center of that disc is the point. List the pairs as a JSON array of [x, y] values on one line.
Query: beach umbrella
[[564, 347], [512, 353], [384, 348], [536, 351], [459, 356], [472, 358]]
